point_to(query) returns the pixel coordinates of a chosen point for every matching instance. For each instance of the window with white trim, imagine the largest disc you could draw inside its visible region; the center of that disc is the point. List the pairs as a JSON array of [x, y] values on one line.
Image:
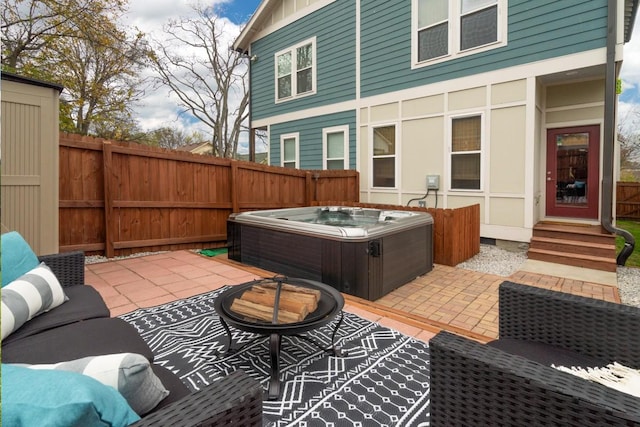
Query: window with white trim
[[335, 147], [296, 71], [444, 29], [466, 153], [289, 151], [384, 156]]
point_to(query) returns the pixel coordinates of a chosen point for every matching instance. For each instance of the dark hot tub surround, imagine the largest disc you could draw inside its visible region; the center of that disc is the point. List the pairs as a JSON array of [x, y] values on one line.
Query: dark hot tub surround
[[359, 251]]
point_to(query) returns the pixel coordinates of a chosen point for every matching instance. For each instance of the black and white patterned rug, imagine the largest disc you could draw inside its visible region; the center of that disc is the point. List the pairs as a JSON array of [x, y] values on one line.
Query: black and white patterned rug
[[383, 380]]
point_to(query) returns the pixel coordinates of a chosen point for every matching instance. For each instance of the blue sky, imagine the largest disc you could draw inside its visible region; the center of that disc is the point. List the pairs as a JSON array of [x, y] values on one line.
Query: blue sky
[[238, 11]]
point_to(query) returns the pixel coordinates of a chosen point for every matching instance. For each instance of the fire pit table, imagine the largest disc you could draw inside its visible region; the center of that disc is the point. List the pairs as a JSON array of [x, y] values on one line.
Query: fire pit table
[[329, 304]]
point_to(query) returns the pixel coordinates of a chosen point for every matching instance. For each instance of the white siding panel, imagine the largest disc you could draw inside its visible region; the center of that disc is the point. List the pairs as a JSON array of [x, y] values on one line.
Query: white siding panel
[[508, 150]]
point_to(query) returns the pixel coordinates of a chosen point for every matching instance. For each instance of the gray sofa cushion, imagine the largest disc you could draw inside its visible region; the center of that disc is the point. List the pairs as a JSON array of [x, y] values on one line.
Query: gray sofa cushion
[[81, 339], [84, 303]]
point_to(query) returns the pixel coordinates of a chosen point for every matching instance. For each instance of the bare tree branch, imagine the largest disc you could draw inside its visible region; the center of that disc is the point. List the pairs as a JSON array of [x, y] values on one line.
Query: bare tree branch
[[629, 138], [197, 64]]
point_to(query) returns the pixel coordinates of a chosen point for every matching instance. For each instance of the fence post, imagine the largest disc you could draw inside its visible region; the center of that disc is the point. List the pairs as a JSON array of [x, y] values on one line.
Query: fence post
[[109, 230], [309, 190], [235, 206]]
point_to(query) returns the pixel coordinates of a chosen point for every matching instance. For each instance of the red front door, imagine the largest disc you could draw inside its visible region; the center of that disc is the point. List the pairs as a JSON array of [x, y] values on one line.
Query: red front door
[[573, 172]]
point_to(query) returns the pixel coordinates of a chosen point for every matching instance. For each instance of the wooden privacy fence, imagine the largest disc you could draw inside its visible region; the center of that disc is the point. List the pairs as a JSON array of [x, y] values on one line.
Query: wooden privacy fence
[[118, 198], [628, 200], [456, 232]]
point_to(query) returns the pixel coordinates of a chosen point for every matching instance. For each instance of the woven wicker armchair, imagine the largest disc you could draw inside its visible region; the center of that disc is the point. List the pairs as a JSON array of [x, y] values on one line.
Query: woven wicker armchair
[[478, 384], [234, 400], [67, 266]]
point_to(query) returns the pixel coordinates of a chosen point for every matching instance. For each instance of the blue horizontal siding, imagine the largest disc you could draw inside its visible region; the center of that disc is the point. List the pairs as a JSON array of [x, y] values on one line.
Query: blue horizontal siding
[[310, 131], [334, 29], [537, 30]]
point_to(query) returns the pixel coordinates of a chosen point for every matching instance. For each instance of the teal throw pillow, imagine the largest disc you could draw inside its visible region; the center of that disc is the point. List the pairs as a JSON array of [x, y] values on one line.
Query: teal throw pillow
[[60, 399], [17, 257], [129, 373]]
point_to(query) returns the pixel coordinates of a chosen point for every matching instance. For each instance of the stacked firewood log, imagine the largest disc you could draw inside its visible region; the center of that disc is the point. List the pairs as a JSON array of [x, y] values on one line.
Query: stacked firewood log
[[296, 302]]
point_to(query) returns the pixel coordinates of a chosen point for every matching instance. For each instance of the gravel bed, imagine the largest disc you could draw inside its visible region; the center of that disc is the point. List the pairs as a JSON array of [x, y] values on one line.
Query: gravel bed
[[501, 262], [95, 259], [495, 260], [629, 285]]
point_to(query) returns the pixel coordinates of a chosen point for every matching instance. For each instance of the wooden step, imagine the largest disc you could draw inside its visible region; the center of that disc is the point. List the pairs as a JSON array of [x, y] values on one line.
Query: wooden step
[[574, 259], [605, 250], [592, 234], [580, 245]]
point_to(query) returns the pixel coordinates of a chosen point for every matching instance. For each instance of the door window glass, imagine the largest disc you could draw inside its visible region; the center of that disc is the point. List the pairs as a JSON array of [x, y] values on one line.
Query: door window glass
[[572, 168]]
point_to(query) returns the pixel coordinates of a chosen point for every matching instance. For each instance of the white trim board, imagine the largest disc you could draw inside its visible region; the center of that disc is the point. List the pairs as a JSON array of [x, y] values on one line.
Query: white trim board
[[535, 69]]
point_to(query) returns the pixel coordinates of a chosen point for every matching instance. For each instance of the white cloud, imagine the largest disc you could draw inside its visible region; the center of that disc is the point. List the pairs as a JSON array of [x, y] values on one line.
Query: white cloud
[[629, 118], [159, 107], [150, 16], [629, 104], [630, 72]]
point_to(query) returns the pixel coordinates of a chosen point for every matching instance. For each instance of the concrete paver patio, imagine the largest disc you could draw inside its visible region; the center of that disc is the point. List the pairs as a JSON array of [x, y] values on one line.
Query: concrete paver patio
[[451, 298]]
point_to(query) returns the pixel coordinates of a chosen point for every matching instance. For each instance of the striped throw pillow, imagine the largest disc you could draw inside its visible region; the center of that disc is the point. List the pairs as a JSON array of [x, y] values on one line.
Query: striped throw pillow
[[28, 296], [129, 373]]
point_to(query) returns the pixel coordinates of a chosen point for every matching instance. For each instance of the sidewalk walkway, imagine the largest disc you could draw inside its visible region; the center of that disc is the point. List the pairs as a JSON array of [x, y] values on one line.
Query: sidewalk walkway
[[455, 299]]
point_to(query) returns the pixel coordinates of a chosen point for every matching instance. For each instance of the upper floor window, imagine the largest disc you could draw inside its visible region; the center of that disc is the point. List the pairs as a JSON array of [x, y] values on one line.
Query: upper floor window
[[289, 157], [445, 29], [433, 29], [466, 153], [478, 23], [296, 71], [335, 142], [384, 156]]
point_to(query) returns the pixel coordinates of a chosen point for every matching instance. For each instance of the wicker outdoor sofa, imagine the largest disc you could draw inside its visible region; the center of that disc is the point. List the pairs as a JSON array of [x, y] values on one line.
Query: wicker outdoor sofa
[[234, 400], [510, 382]]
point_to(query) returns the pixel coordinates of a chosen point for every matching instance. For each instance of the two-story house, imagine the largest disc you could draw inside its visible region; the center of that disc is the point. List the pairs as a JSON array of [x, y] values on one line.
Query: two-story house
[[506, 103]]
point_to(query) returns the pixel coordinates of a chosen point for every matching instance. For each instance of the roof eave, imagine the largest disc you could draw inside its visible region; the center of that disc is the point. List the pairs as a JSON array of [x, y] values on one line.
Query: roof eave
[[630, 12]]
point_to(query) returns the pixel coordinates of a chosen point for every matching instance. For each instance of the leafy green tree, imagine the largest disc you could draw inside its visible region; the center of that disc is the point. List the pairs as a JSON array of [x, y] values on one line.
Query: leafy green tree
[[171, 138], [78, 44], [100, 73], [29, 26], [125, 128]]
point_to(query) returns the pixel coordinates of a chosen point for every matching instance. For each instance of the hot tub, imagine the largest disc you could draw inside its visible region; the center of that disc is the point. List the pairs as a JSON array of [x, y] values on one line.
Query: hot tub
[[359, 251]]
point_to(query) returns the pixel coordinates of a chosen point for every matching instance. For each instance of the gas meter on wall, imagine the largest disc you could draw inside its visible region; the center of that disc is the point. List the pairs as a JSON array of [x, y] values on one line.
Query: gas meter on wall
[[433, 182]]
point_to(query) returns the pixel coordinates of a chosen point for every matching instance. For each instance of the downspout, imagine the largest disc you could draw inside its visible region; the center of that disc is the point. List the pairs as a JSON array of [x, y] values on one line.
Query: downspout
[[610, 136], [252, 133]]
